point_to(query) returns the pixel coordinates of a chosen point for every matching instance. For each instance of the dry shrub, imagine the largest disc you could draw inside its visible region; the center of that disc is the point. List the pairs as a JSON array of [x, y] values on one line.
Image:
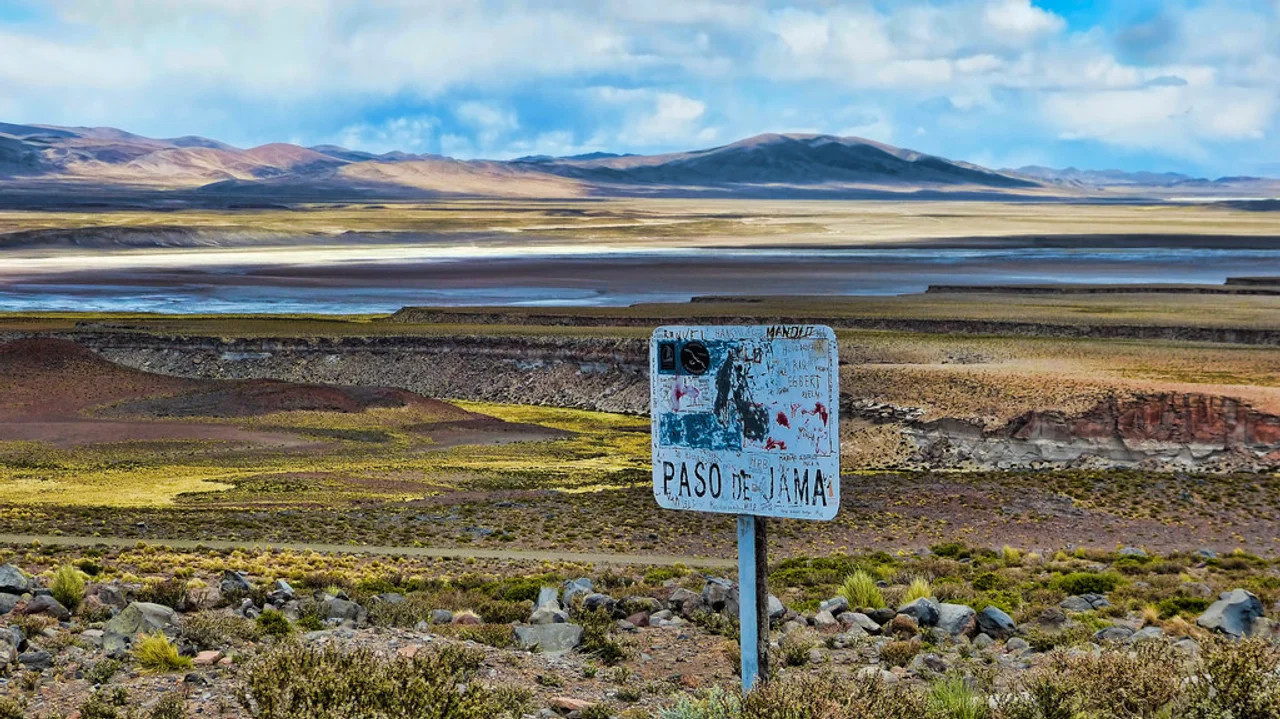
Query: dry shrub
[[899, 653], [827, 697], [1140, 682]]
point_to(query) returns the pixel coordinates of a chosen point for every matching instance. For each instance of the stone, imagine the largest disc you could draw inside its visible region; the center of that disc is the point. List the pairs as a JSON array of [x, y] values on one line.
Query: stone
[[342, 609], [466, 619], [1051, 617], [995, 623], [13, 581], [1016, 645], [1187, 647], [924, 610], [547, 596], [868, 625], [775, 608], [46, 605], [1204, 553], [111, 595], [1233, 614], [548, 615], [1147, 634], [1138, 552], [1115, 633], [234, 583], [814, 656], [92, 637], [207, 658], [928, 664], [982, 641], [684, 602], [550, 639], [881, 616], [639, 619], [284, 589], [956, 619], [596, 602], [37, 660], [1084, 603], [637, 604], [8, 602], [1196, 589], [441, 616], [567, 705], [202, 598], [876, 674], [137, 618], [823, 621], [716, 592], [835, 605], [574, 587]]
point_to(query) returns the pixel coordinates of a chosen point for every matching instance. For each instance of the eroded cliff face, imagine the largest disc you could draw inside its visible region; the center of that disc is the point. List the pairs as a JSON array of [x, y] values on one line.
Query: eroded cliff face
[[1175, 431], [1184, 430]]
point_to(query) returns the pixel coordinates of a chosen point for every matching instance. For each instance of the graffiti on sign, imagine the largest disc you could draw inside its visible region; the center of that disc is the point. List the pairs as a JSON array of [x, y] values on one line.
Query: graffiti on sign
[[745, 420]]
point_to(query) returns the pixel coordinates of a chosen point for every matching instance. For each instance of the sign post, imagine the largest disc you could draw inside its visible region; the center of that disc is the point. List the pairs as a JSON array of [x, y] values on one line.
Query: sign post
[[745, 421]]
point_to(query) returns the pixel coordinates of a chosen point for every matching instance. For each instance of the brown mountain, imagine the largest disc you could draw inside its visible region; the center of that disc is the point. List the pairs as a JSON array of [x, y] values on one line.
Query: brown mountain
[[761, 166]]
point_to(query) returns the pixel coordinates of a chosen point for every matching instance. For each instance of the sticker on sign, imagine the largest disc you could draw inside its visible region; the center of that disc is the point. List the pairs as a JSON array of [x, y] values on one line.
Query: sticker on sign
[[745, 420]]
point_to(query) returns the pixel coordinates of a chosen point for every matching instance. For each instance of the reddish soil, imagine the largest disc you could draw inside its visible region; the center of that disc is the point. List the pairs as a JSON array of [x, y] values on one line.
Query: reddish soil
[[250, 398]]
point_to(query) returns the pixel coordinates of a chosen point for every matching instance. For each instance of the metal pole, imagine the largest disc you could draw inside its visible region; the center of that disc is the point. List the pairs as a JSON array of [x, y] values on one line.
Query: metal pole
[[753, 599]]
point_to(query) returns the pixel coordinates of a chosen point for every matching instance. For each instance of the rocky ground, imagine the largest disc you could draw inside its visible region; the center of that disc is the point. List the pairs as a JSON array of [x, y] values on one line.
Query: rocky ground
[[88, 637]]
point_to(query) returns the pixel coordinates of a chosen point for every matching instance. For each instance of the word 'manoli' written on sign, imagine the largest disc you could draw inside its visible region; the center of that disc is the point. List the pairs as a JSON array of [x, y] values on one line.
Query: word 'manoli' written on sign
[[745, 420]]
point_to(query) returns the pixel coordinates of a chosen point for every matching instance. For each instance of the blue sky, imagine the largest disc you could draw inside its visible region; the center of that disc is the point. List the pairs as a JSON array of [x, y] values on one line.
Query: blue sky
[[1184, 85]]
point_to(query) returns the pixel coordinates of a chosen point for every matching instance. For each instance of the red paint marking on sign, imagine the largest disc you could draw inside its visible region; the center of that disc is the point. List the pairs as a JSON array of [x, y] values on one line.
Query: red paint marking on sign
[[775, 444], [782, 419], [819, 410]]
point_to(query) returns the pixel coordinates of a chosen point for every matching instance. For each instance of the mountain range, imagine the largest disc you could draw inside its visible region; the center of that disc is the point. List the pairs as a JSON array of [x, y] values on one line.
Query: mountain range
[[769, 165]]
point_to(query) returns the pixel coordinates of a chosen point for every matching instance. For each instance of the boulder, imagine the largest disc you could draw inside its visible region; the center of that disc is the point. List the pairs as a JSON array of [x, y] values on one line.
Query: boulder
[[1204, 553], [1017, 645], [1233, 614], [956, 619], [551, 639], [441, 616], [835, 605], [201, 598], [683, 601], [638, 603], [639, 619], [342, 609], [549, 615], [776, 609], [1138, 552], [995, 623], [137, 618], [868, 625], [1115, 633], [234, 583], [282, 588], [1084, 602], [982, 641], [546, 596], [13, 581], [716, 593], [881, 616], [928, 665], [823, 621], [574, 587], [46, 605], [596, 602], [924, 611], [8, 602], [37, 660], [112, 595]]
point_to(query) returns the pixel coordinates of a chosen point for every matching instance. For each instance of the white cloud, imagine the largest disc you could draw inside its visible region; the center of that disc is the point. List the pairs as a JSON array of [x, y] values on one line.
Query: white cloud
[[409, 134], [1020, 20]]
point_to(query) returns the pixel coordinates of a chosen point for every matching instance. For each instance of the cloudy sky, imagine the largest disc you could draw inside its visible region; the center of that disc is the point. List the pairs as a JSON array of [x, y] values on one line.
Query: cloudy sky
[[1135, 84]]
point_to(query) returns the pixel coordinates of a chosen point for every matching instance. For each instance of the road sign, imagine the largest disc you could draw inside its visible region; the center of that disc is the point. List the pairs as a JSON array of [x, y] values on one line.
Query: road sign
[[745, 420]]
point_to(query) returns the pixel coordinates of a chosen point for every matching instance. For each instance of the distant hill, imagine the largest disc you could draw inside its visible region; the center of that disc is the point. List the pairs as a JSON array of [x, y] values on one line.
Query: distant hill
[[766, 165], [1149, 183]]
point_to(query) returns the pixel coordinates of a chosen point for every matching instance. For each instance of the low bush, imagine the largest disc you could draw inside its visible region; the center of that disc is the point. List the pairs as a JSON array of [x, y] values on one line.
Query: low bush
[[156, 654], [899, 653], [295, 682], [1182, 606], [860, 589], [953, 698], [12, 708], [215, 630], [68, 586], [1086, 583], [794, 647], [918, 589], [820, 697], [597, 637], [101, 671], [273, 623]]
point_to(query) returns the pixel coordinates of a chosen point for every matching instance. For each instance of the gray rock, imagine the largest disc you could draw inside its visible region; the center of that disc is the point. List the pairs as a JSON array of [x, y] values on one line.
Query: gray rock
[[283, 588], [546, 596], [548, 615], [13, 581], [1084, 603], [1204, 553], [596, 601], [776, 609], [956, 619], [684, 602], [882, 616], [1187, 647], [1196, 589], [661, 616], [342, 609], [868, 625], [111, 595], [1138, 552], [824, 620], [1016, 645], [715, 593], [1233, 614], [835, 605], [636, 604], [552, 639], [137, 618], [8, 602], [390, 598], [1147, 634], [995, 623], [928, 665], [37, 660], [48, 606], [1116, 633], [924, 610], [441, 616], [982, 641], [234, 583], [574, 587]]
